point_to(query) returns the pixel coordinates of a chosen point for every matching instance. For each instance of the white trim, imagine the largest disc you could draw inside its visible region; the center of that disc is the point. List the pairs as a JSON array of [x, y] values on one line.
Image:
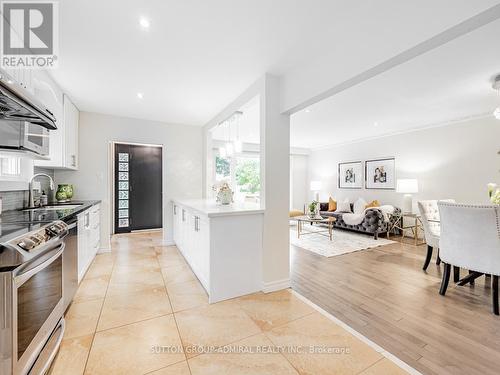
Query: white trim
[[168, 243], [273, 286], [391, 357], [400, 132]]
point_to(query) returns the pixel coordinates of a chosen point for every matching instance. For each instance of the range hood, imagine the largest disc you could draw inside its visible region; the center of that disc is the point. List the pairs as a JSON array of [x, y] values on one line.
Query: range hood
[[16, 103]]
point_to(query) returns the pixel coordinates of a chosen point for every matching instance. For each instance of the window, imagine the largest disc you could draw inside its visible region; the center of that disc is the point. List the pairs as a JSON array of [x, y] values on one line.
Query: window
[[242, 172], [10, 166]]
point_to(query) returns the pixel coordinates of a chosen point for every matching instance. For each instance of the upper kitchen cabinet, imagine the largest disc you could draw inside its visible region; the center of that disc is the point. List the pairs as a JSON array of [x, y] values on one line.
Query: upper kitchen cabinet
[[63, 141]]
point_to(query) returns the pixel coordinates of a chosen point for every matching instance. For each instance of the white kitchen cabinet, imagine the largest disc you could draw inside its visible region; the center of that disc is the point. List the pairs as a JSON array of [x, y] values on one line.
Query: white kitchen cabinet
[[63, 141], [223, 246], [88, 238]]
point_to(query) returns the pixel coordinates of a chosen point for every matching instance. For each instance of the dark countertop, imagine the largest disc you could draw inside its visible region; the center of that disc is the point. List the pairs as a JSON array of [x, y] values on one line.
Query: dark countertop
[[45, 216], [16, 223]]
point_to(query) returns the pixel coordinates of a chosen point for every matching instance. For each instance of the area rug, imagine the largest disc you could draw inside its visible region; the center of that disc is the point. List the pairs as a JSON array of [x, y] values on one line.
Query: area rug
[[343, 241]]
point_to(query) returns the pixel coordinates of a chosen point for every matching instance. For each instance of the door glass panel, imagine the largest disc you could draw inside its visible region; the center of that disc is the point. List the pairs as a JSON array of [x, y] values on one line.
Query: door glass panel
[[36, 299], [123, 156], [123, 223], [123, 194], [122, 177], [123, 185]]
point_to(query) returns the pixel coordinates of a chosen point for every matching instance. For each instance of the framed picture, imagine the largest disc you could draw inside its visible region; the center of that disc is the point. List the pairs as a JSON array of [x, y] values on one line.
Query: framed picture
[[380, 174], [351, 175]]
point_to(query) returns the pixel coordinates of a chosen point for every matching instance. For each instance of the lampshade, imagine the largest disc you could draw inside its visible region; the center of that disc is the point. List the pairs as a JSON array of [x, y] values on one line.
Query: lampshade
[[316, 185], [407, 186]]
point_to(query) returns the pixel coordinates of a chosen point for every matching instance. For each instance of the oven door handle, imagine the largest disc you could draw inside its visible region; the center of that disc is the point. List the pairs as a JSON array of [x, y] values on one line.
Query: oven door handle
[[24, 276]]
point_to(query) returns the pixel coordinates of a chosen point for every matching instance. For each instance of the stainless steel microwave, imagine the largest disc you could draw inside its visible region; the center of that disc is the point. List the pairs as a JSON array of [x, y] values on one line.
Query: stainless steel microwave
[[24, 136]]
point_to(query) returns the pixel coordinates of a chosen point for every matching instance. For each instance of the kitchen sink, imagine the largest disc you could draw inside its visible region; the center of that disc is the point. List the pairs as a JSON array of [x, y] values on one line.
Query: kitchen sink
[[54, 208]]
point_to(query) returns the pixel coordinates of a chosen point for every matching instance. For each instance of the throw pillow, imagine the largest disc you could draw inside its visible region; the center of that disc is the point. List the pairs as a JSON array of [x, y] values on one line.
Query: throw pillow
[[359, 206], [344, 206], [374, 203], [332, 204]]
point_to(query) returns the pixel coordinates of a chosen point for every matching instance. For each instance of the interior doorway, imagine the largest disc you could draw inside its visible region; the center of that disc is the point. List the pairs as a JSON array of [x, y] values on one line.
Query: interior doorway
[[138, 183]]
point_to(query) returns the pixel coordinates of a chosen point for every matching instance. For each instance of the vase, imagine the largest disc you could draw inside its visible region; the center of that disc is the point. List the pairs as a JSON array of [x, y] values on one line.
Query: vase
[[225, 197], [64, 193]]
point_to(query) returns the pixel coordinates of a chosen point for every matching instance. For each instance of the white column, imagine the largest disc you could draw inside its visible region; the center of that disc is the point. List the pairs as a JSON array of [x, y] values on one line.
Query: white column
[[275, 191]]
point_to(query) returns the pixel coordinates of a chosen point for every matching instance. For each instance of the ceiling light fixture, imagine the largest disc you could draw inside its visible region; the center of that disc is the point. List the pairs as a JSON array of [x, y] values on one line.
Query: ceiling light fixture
[[140, 95], [375, 124], [144, 22], [307, 110], [496, 86]]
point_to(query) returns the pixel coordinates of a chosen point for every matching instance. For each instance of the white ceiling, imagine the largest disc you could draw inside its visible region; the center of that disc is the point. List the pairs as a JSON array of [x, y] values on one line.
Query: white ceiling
[[199, 55], [450, 83]]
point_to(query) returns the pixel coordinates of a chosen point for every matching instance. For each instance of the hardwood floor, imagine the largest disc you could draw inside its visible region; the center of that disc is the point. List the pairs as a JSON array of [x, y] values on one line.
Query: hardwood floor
[[384, 294]]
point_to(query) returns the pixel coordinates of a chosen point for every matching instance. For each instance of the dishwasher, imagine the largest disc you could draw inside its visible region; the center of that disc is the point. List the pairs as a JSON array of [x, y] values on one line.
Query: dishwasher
[[70, 263]]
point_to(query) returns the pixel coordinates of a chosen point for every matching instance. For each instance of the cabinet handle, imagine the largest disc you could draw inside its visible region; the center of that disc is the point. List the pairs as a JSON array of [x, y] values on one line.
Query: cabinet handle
[[73, 160], [183, 215], [175, 209]]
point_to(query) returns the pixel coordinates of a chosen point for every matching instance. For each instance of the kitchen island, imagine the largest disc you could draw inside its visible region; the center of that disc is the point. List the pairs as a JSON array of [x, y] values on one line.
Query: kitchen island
[[222, 245]]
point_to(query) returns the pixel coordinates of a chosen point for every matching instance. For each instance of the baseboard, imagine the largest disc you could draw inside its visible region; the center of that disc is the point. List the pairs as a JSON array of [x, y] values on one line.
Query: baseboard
[[168, 243], [103, 250], [275, 285]]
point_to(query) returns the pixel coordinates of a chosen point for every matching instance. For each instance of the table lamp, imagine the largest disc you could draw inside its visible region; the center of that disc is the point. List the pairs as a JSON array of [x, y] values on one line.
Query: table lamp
[[316, 187], [407, 186]]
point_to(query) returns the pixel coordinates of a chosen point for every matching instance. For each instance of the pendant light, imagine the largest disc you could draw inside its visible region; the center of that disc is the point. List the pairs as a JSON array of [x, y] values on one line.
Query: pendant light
[[238, 145], [496, 86], [229, 145]]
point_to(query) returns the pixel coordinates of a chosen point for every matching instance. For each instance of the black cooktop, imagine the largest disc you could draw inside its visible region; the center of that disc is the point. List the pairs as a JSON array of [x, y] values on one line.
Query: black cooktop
[[45, 216]]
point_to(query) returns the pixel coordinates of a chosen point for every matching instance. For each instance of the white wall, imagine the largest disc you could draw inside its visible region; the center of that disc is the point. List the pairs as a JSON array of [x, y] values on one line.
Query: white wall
[[454, 161], [299, 173], [182, 161]]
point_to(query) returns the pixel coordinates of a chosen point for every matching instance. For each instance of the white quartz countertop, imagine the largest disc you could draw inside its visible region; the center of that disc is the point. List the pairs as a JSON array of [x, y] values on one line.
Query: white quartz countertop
[[213, 209]]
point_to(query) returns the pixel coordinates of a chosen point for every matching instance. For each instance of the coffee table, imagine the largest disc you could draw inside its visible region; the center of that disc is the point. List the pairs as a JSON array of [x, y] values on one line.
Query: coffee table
[[328, 221]]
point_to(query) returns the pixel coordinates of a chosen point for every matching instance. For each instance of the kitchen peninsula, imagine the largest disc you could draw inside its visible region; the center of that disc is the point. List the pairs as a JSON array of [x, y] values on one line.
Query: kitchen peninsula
[[222, 244]]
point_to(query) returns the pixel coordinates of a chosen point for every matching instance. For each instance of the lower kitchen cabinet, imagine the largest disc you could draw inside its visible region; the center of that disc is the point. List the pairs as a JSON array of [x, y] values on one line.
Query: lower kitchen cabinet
[[224, 250], [88, 238]]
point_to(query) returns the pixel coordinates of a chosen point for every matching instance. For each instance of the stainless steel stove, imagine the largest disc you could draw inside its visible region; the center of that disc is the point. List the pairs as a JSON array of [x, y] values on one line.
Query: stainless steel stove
[[31, 290]]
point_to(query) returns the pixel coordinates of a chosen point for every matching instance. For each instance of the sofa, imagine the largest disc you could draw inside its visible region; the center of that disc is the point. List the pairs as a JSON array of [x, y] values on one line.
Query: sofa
[[373, 222]]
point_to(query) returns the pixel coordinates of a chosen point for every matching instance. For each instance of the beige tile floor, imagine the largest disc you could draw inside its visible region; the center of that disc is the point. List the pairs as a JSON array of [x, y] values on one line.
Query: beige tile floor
[[144, 296]]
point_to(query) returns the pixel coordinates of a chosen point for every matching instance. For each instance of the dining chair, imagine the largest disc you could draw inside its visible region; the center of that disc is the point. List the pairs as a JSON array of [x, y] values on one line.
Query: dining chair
[[429, 214], [470, 238]]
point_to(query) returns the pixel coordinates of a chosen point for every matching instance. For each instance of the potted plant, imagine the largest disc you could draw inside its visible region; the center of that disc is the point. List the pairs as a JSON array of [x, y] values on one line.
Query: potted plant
[[313, 209]]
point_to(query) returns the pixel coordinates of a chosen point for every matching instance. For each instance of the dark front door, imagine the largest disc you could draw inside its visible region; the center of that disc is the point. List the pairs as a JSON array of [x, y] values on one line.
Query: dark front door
[[138, 187]]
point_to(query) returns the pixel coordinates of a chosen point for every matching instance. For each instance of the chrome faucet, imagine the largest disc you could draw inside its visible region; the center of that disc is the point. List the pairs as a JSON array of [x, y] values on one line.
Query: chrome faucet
[[31, 199]]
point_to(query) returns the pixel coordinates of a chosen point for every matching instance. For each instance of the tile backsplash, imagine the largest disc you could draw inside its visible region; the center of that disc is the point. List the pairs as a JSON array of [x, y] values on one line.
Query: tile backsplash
[[15, 200]]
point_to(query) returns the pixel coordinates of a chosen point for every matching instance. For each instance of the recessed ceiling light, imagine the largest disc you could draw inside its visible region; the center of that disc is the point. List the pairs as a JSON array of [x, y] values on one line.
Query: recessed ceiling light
[[375, 124], [307, 110], [144, 22], [140, 95]]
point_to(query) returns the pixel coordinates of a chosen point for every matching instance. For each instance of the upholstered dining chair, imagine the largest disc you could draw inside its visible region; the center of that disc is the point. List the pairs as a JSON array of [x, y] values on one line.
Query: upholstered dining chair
[[470, 238], [429, 214]]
